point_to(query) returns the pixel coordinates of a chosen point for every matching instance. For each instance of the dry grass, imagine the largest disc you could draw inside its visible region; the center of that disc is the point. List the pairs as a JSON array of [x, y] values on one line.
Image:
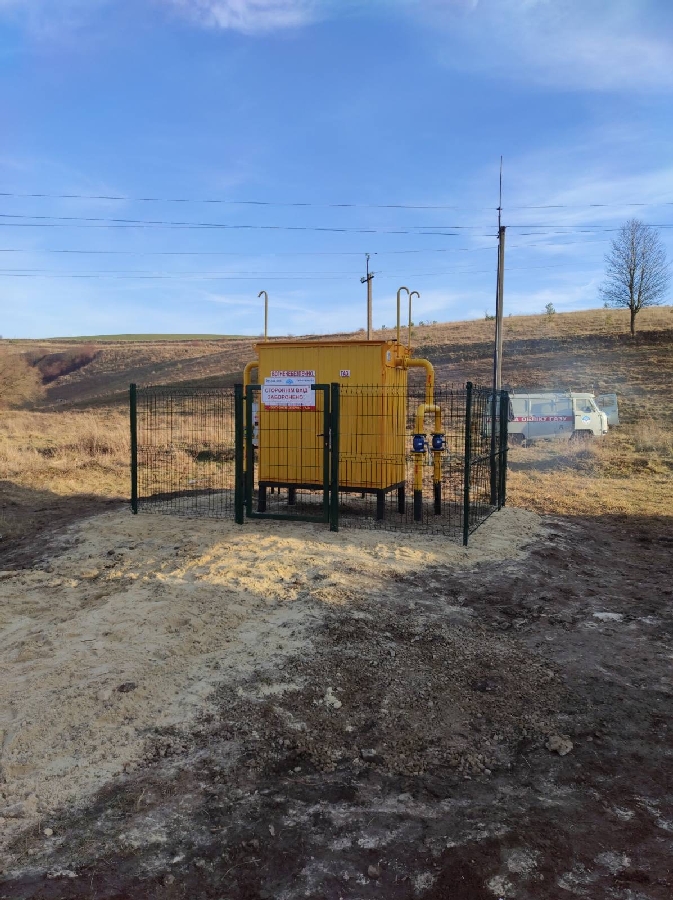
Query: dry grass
[[629, 472], [591, 322], [66, 453]]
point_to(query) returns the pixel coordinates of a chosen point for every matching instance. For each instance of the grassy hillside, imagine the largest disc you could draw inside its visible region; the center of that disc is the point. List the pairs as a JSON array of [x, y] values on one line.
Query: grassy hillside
[[589, 350]]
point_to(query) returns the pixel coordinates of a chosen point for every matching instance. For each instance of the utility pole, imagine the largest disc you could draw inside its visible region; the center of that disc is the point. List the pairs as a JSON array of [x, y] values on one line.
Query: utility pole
[[497, 353], [497, 349], [368, 280], [499, 307]]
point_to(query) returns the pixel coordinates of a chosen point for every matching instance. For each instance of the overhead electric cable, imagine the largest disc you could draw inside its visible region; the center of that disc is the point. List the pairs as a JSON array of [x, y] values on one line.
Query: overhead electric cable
[[298, 203], [242, 254], [97, 221]]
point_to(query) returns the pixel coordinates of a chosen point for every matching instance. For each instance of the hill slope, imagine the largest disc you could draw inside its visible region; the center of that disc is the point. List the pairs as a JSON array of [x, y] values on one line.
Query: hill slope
[[589, 350]]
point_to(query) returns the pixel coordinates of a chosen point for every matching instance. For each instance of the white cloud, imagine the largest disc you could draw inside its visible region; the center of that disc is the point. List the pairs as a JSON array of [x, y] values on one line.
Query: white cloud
[[47, 18], [577, 44], [248, 16]]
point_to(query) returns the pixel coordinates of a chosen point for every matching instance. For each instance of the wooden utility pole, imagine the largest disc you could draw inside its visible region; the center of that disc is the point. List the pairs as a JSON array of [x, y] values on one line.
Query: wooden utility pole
[[368, 280], [497, 348], [499, 307], [500, 284]]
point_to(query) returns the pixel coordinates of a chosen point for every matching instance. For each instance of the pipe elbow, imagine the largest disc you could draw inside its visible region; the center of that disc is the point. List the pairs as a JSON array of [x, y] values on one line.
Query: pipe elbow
[[253, 364]]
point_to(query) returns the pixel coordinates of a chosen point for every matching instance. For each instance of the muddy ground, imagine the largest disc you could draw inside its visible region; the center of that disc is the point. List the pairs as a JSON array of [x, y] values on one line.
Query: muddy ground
[[499, 731]]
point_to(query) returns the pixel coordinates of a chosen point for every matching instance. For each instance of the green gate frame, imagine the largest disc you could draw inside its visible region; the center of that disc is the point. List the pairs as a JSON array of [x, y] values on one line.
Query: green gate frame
[[245, 458]]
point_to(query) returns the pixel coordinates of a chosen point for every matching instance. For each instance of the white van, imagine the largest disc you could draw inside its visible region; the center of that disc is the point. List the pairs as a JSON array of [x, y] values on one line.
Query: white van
[[548, 415]]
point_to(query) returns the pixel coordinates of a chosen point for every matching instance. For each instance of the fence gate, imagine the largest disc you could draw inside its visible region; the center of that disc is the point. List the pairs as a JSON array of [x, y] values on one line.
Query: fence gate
[[286, 444]]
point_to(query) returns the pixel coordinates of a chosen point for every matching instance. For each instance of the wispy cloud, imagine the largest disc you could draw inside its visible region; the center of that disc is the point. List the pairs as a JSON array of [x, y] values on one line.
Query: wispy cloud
[[43, 17], [577, 44], [248, 16]]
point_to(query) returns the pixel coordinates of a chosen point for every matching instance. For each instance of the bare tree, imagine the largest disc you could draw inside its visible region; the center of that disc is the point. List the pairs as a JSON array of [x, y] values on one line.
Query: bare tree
[[20, 383], [637, 274]]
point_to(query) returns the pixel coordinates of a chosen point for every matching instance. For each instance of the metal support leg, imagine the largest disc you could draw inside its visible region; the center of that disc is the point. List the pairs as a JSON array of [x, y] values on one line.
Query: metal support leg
[[401, 500], [261, 498], [291, 496], [380, 505]]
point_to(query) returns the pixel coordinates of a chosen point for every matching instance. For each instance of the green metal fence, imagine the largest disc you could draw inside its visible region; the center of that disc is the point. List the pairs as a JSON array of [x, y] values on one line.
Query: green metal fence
[[203, 451]]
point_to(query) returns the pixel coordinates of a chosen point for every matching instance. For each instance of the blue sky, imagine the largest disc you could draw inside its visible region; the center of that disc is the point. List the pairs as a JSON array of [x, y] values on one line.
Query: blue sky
[[399, 108]]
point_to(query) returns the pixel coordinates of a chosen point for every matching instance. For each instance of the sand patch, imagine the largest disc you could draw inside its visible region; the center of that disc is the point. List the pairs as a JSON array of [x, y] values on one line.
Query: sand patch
[[166, 609]]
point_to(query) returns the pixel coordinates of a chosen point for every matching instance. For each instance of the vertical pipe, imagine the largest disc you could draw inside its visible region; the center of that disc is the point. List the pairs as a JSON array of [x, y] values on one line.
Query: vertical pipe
[[239, 477], [468, 463], [410, 296], [418, 487], [335, 423], [266, 314], [133, 408], [398, 315]]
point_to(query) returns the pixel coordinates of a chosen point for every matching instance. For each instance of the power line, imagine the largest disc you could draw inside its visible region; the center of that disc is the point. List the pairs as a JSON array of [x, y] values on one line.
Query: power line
[[244, 276], [433, 230], [274, 203], [98, 222], [239, 254], [306, 204]]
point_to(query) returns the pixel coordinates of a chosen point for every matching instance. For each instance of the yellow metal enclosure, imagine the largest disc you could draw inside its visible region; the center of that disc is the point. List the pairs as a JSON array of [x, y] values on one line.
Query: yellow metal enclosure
[[373, 413]]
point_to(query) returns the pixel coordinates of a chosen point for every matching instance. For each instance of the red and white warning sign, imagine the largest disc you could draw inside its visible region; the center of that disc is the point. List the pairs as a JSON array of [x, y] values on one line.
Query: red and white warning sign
[[289, 390]]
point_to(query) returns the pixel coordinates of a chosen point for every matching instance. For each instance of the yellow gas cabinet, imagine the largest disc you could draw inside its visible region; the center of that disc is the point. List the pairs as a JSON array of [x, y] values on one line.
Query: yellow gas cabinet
[[373, 410]]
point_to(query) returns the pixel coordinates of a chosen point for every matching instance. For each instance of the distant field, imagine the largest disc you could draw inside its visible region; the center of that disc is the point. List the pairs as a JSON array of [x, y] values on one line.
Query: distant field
[[145, 338]]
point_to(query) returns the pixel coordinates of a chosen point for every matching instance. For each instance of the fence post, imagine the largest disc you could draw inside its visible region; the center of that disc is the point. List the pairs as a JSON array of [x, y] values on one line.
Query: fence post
[[249, 450], [133, 408], [239, 470], [504, 447], [495, 481], [468, 463], [334, 447]]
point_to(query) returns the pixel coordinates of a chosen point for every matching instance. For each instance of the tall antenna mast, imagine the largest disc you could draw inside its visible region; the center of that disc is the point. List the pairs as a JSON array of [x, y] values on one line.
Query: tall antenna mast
[[500, 198]]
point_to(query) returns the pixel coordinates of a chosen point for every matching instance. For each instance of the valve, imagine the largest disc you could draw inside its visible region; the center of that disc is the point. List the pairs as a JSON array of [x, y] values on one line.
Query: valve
[[419, 444], [438, 441]]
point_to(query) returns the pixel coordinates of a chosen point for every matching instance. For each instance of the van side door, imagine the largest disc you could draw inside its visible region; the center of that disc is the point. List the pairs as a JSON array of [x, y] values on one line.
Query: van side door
[[608, 403], [564, 415]]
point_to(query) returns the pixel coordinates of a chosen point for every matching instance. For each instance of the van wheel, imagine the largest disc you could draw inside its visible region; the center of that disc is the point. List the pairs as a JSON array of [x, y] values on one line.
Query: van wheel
[[516, 440], [582, 435]]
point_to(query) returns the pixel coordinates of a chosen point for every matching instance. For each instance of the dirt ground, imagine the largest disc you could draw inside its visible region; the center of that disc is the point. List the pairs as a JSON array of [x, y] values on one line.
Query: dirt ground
[[194, 710]]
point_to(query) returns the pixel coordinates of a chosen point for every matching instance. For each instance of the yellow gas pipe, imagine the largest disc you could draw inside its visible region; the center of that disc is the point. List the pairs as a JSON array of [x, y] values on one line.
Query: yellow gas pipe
[[253, 364], [423, 409]]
